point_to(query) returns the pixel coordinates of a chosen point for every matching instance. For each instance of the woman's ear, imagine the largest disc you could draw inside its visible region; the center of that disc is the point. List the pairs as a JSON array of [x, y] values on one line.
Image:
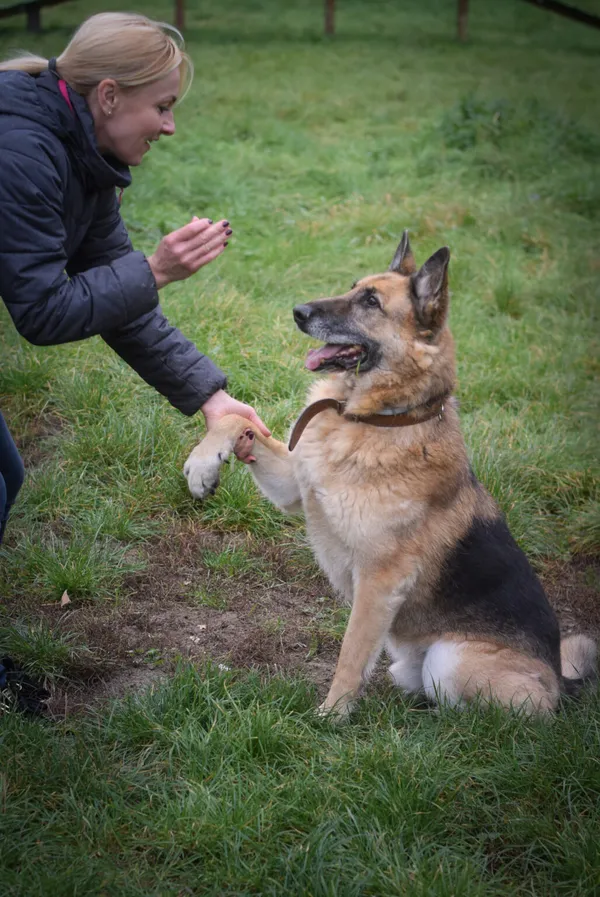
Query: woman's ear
[[107, 92]]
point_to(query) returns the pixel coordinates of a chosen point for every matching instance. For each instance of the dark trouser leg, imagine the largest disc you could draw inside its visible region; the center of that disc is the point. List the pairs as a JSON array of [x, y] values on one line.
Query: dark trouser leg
[[12, 473]]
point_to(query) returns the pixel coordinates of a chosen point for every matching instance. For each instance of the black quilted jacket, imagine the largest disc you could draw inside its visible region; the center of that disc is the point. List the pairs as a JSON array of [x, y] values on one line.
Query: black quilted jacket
[[67, 266]]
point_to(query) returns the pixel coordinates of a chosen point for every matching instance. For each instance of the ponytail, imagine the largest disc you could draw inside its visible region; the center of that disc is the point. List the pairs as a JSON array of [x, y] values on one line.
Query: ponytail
[[28, 62]]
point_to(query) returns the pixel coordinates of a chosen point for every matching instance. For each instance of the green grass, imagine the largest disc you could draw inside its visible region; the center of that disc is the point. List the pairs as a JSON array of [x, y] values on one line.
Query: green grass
[[223, 784], [320, 152], [42, 653], [231, 562]]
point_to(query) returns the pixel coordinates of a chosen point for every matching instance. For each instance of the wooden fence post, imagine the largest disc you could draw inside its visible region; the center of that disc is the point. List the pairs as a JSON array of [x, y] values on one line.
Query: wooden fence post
[[571, 12], [329, 16], [180, 14], [34, 19], [463, 19]]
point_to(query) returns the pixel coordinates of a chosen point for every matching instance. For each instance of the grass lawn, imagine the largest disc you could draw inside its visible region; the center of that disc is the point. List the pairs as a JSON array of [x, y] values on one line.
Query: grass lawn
[[222, 781]]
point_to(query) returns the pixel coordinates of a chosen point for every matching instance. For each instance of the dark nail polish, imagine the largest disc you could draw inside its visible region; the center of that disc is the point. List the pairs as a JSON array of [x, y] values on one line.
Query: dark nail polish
[[228, 232], [226, 243], [226, 224], [210, 221]]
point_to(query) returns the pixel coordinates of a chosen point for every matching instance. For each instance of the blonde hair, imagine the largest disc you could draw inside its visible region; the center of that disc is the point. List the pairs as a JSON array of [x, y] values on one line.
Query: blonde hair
[[129, 48]]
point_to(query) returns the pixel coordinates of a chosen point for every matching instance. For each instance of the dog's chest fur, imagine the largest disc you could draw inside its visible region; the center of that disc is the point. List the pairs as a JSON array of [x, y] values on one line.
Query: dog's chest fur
[[356, 503], [347, 472], [373, 497]]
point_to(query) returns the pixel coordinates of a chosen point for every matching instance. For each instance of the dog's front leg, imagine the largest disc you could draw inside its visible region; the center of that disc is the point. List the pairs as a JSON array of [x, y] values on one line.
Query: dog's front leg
[[376, 601], [273, 470], [204, 462], [270, 462]]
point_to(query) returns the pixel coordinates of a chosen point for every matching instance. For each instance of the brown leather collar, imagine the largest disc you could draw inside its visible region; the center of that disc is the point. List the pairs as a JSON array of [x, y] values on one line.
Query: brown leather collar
[[407, 418]]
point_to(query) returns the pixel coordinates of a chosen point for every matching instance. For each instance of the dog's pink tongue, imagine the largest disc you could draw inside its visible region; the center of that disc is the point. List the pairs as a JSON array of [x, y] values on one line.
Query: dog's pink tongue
[[315, 357]]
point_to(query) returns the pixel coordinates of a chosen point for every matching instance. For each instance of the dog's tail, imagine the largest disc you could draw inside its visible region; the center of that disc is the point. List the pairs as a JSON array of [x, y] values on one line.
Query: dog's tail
[[578, 660]]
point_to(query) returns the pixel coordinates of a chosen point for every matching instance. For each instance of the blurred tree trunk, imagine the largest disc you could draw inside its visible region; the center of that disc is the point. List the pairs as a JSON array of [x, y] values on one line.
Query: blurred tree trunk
[[463, 19], [180, 14], [329, 16]]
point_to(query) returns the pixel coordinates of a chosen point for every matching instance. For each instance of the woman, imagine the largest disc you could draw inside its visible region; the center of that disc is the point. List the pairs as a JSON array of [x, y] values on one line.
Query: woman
[[70, 128]]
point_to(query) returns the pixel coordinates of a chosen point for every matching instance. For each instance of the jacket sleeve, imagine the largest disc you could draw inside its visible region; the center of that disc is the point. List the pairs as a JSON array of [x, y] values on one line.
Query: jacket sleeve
[[167, 361], [46, 304], [155, 349], [107, 238]]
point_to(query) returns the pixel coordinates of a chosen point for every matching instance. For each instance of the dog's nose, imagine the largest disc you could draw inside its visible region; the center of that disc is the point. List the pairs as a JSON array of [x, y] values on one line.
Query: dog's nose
[[301, 314]]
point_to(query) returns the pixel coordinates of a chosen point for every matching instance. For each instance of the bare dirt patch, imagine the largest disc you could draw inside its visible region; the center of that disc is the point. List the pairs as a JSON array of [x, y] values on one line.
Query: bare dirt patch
[[573, 588], [32, 443], [276, 614]]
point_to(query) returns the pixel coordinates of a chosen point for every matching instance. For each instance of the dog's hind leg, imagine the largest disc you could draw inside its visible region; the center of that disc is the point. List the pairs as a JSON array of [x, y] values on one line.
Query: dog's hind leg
[[407, 667], [456, 671]]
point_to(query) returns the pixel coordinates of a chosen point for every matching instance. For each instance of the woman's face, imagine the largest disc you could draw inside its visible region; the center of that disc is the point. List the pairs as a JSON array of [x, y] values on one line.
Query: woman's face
[[127, 121]]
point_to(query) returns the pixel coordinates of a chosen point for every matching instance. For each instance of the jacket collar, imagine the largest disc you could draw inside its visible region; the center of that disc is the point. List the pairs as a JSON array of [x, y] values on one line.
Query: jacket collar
[[75, 127]]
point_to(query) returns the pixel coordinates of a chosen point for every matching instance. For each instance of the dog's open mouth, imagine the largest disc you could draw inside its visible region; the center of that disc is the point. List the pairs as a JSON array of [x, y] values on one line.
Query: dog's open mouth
[[335, 355]]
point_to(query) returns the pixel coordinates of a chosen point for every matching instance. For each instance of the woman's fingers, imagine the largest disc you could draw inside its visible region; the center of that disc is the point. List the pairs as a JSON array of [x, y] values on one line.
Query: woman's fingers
[[198, 253], [207, 245], [201, 230], [222, 403], [192, 230], [204, 258], [182, 252], [201, 254], [253, 416]]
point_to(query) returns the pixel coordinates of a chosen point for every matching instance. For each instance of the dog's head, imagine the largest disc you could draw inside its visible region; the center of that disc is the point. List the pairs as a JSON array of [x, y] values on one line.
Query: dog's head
[[383, 318]]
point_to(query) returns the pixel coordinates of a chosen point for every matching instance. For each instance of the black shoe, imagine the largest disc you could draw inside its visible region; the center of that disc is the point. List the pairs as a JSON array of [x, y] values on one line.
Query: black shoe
[[19, 691]]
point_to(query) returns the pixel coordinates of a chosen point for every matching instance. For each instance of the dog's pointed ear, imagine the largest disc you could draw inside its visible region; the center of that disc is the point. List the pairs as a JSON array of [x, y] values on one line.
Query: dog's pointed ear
[[404, 261], [430, 290]]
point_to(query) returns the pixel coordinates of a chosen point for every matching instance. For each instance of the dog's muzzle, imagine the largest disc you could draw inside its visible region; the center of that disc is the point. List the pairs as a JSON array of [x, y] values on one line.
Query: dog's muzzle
[[302, 314], [343, 350]]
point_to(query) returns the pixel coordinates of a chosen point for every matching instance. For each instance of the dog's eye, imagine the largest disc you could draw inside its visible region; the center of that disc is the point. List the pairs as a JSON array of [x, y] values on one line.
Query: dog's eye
[[371, 300]]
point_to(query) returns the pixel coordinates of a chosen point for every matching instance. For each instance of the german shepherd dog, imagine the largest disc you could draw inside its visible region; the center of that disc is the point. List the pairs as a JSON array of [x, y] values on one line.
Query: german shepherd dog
[[395, 515]]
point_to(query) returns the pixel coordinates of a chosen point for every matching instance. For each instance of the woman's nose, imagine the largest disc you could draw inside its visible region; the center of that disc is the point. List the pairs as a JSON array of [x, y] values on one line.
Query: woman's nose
[[168, 128]]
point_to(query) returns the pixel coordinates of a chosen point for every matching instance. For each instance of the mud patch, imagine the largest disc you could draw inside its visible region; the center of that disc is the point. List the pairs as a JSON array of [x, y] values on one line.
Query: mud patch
[[236, 602], [277, 615], [33, 440], [573, 588]]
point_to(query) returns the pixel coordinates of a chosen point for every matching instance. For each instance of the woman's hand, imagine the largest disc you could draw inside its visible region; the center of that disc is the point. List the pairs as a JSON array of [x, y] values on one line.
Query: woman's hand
[[183, 252], [221, 403]]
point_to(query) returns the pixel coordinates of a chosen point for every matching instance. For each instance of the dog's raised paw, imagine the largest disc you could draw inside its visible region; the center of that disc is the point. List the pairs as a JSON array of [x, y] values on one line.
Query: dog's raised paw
[[202, 475]]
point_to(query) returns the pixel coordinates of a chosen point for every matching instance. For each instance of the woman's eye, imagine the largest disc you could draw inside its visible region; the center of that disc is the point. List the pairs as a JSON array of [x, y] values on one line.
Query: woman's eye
[[163, 109]]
